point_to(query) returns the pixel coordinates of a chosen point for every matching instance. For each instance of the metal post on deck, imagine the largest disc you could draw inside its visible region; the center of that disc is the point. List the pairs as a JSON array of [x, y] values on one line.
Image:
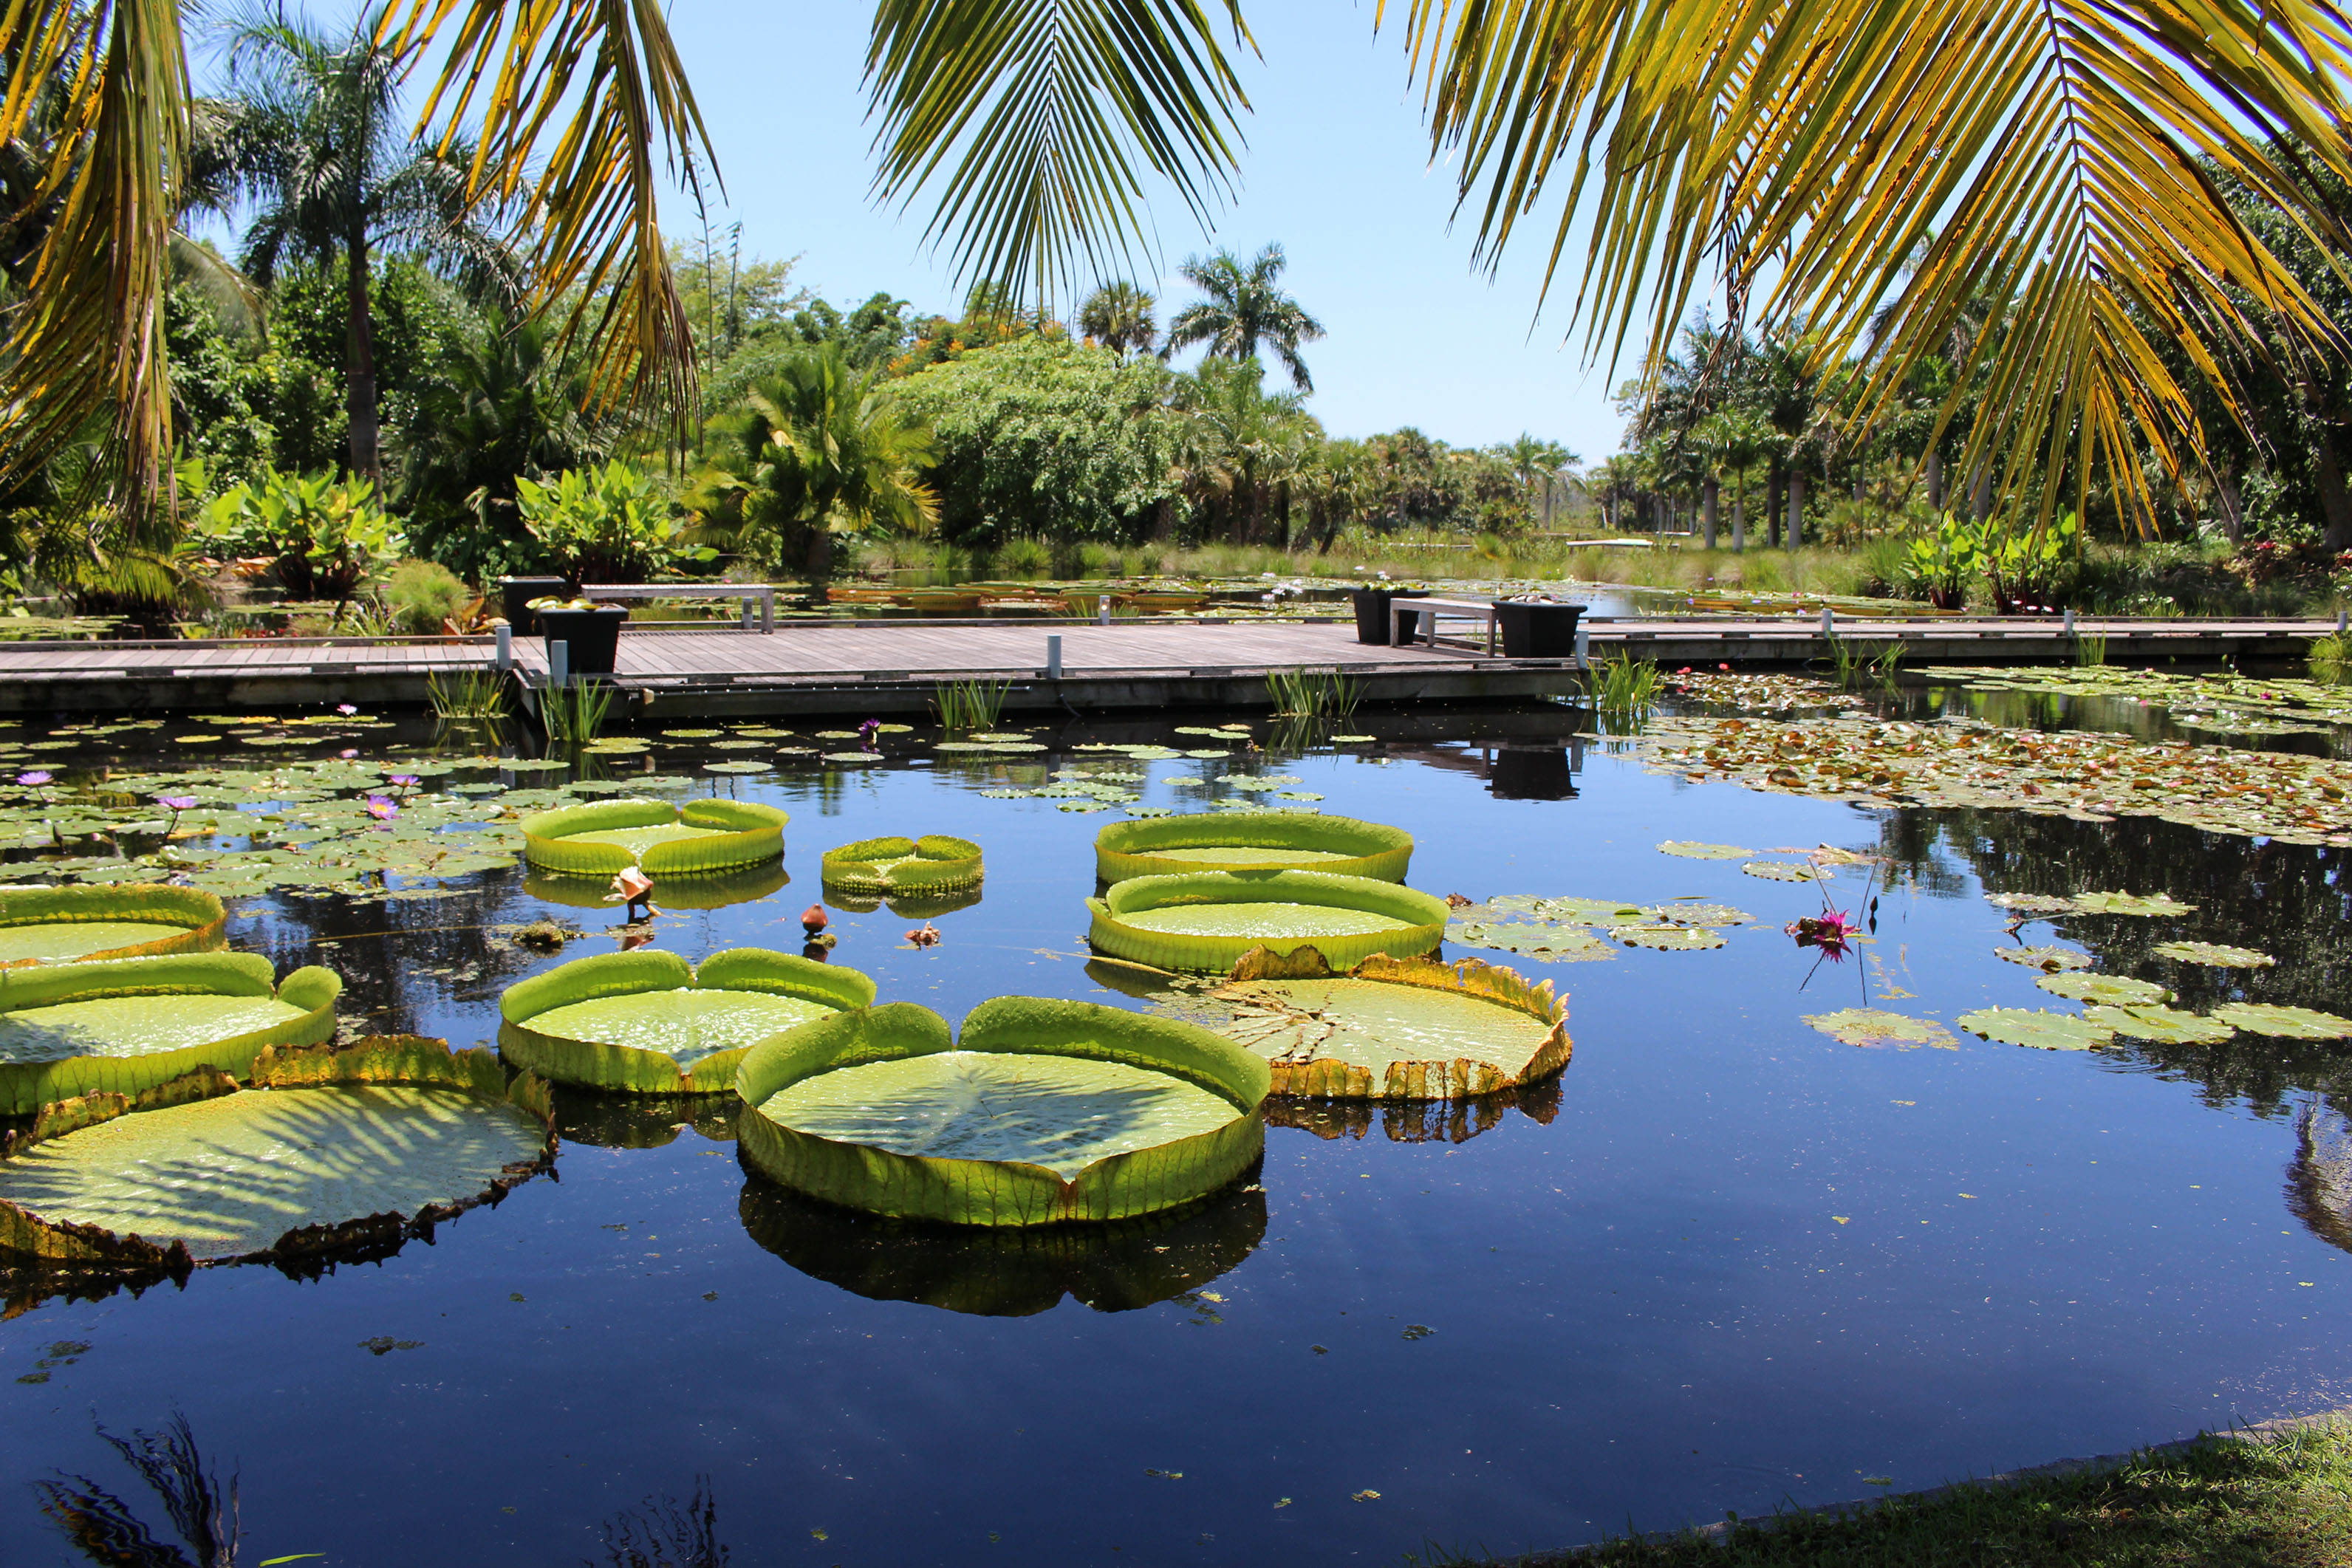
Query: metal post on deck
[[2070, 621], [2339, 622], [1829, 626], [747, 613], [1583, 647], [559, 665], [1053, 657], [1102, 611], [502, 659]]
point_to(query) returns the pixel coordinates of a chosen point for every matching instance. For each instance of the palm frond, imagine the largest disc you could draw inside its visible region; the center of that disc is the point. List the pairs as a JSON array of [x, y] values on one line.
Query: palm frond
[[572, 97], [1037, 121]]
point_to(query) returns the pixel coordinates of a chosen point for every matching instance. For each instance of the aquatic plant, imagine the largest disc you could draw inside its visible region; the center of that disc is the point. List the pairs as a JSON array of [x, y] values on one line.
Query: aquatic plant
[[933, 864], [1323, 694], [2328, 659], [467, 693], [1169, 845], [1623, 689], [605, 837], [1045, 1111], [126, 1024], [574, 715], [117, 920], [1204, 921], [350, 1152], [2090, 651], [648, 1022], [968, 705]]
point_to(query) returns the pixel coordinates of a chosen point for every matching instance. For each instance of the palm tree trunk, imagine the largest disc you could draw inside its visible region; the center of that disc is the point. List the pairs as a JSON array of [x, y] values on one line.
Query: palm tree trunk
[[360, 391], [1738, 513], [1796, 505], [2334, 502], [1714, 495]]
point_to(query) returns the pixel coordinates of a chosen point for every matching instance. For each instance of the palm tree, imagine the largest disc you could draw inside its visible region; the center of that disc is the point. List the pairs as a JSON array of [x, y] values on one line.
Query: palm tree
[[1118, 317], [1244, 309], [325, 149], [1736, 440], [820, 454]]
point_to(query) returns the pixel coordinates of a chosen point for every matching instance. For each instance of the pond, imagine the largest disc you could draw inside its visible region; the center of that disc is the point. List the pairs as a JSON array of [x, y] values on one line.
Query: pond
[[1724, 1261]]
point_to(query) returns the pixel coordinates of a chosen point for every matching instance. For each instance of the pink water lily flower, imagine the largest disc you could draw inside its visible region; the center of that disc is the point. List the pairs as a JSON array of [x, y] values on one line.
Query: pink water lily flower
[[347, 755], [382, 808], [346, 709], [175, 804], [33, 780]]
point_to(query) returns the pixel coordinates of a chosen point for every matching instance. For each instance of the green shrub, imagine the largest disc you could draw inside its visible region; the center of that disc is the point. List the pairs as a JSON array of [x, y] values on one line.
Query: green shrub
[[423, 594]]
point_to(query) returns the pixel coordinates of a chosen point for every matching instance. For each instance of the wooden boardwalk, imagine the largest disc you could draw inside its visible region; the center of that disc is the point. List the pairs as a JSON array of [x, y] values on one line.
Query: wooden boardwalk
[[892, 667]]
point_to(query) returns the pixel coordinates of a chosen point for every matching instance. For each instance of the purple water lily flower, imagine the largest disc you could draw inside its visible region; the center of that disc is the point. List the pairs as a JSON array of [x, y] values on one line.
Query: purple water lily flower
[[347, 755], [175, 804], [403, 782], [346, 709], [33, 780], [867, 733], [382, 808]]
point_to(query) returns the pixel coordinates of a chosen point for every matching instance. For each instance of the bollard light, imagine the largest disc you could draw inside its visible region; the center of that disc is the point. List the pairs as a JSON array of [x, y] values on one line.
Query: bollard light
[[502, 657], [1053, 657], [559, 665]]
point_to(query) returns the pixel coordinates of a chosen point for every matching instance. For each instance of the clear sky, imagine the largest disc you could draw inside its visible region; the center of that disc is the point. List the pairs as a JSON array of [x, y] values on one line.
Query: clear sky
[[1337, 169]]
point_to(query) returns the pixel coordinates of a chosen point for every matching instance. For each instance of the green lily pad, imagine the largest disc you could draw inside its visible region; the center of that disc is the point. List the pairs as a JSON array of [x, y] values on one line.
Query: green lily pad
[[1871, 1026], [2031, 902], [2131, 903], [745, 767], [2283, 1022], [1307, 920], [1690, 848], [2213, 955], [1352, 739], [851, 758], [2167, 1026], [2037, 1028], [1695, 914], [2047, 957], [1667, 938], [683, 1025], [1571, 910], [2119, 990], [1547, 944], [1781, 871]]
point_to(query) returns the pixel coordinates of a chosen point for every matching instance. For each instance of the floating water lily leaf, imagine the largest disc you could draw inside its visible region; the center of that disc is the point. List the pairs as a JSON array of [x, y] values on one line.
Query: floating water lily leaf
[[2037, 1028], [1667, 938], [1048, 1111], [1388, 1029], [736, 767], [1352, 739], [608, 836], [2283, 1022], [1548, 944], [1207, 920], [851, 759], [934, 862], [2115, 989], [2131, 903], [1689, 849], [1340, 844], [1569, 911], [2167, 1026], [2031, 902], [1681, 913], [2047, 957], [1871, 1026], [126, 920], [2213, 955]]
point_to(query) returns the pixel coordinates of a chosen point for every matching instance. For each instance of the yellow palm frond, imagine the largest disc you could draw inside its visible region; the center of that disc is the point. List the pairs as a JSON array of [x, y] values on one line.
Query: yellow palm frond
[[1037, 118]]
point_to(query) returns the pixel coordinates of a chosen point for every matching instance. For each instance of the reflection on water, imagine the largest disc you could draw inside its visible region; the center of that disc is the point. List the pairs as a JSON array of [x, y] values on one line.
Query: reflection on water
[[640, 1121], [1011, 1270], [2319, 1182], [716, 890], [1417, 1121], [916, 906], [1523, 771], [662, 1532]]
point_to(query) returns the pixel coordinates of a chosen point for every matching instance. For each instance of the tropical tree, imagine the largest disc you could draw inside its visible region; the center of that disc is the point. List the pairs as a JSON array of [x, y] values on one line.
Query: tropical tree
[[1737, 441], [1243, 447], [820, 453], [325, 149], [1118, 317], [1245, 308]]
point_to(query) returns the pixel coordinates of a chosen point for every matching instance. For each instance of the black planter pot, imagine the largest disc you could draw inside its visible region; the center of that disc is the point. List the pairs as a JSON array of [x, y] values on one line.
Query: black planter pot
[[1372, 612], [1539, 631], [518, 593], [592, 636]]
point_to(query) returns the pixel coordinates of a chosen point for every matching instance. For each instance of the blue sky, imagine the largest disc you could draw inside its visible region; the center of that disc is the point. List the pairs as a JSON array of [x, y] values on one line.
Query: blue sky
[[1337, 169]]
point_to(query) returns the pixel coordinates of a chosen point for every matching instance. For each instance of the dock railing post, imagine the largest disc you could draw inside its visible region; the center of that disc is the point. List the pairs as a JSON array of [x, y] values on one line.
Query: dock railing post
[[559, 665], [1102, 611], [502, 657], [2339, 622], [1583, 647], [1829, 626], [1053, 657], [747, 613], [2070, 621]]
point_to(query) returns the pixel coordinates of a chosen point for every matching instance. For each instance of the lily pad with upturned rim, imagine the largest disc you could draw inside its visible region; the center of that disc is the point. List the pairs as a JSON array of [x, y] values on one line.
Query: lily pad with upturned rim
[[1205, 920], [608, 836], [118, 920], [1343, 845], [934, 862]]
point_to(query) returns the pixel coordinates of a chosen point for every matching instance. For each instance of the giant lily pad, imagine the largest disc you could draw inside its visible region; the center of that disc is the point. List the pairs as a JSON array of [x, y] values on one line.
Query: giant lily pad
[[2165, 1026], [1000, 1271], [933, 864], [646, 1022], [330, 1152], [1390, 1028], [1172, 845], [123, 920], [2036, 1027], [2213, 955], [1047, 1111], [1204, 921], [2283, 1022], [610, 836], [2113, 989], [127, 1024], [1874, 1026]]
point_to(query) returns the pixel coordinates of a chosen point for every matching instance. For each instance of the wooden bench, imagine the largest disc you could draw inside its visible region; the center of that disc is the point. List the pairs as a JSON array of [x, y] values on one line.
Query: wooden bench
[[1400, 608], [746, 592]]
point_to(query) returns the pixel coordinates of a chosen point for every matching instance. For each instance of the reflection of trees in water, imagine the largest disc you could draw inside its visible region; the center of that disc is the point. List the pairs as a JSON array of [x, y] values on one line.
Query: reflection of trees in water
[[1010, 1270], [662, 1532], [1417, 1121], [640, 1121], [388, 953], [101, 1526], [2319, 1182]]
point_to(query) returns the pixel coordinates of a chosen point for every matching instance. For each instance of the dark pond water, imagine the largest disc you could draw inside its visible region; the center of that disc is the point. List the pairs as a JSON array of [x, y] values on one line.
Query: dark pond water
[[1730, 1261]]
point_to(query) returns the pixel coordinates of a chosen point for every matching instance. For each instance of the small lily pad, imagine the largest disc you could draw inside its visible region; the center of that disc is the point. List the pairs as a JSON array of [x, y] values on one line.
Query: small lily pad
[[2037, 1028], [735, 766], [2284, 1023], [1545, 943], [1700, 914], [2131, 903], [847, 757], [1781, 871], [1874, 1026], [2167, 1026], [2117, 990], [1691, 849], [2213, 955], [2031, 902], [2044, 957], [1352, 739], [1668, 938]]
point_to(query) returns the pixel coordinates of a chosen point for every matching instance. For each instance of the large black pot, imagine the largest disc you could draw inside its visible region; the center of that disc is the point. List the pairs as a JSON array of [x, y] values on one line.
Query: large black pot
[[518, 592], [593, 636], [1372, 612], [1539, 631]]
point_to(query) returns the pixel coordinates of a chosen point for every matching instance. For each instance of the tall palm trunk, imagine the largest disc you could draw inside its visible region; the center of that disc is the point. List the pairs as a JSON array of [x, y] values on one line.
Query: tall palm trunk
[[360, 393]]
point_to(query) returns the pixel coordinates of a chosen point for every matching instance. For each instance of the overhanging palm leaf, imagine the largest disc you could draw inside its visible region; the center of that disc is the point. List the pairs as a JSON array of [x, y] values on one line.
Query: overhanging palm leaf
[[2044, 152], [1039, 117]]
